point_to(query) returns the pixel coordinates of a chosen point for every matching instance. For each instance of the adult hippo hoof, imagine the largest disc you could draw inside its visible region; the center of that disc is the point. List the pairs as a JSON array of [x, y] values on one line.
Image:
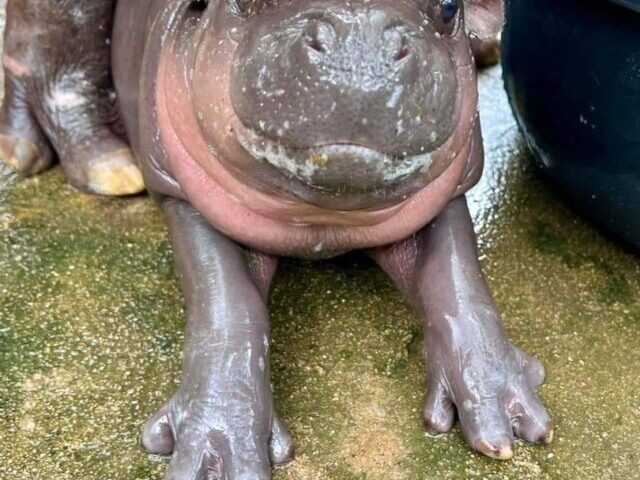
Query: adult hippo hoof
[[23, 155], [115, 174]]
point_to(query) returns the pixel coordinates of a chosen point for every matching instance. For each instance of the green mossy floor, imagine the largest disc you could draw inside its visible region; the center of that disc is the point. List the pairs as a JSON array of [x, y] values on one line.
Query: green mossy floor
[[91, 333]]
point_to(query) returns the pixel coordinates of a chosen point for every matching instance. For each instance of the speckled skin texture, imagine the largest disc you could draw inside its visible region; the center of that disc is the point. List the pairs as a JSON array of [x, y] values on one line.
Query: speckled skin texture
[[91, 335], [454, 219]]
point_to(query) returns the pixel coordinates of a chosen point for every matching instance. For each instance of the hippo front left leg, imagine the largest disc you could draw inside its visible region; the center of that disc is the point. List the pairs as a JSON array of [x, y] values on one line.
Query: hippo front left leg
[[221, 423], [473, 368]]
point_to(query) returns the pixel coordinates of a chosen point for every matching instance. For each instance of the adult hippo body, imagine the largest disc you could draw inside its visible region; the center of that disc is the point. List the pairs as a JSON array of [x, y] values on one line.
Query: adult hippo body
[[293, 127]]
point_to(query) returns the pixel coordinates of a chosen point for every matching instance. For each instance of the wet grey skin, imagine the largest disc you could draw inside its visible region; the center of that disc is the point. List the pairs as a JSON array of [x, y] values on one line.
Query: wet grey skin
[[221, 423], [474, 371], [337, 62]]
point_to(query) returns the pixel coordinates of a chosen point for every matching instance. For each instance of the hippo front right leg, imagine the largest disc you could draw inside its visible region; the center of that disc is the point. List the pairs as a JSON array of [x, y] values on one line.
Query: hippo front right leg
[[475, 372], [221, 423], [59, 98]]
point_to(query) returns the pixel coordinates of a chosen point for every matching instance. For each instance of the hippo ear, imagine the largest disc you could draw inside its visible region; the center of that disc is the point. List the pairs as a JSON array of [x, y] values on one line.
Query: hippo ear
[[484, 22]]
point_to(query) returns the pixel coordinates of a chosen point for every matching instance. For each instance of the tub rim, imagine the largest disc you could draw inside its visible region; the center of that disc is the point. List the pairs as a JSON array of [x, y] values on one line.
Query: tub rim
[[631, 4]]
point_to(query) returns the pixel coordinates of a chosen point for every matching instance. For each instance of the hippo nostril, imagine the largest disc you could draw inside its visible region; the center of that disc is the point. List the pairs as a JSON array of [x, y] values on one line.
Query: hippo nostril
[[402, 53], [320, 36], [395, 45], [314, 44]]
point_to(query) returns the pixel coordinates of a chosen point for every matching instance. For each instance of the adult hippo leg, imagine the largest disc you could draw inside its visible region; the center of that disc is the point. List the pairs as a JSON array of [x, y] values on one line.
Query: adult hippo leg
[[59, 96], [221, 422], [472, 366]]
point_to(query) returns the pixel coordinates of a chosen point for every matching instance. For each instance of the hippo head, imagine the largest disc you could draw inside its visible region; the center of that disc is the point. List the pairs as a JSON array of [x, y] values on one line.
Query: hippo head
[[342, 104]]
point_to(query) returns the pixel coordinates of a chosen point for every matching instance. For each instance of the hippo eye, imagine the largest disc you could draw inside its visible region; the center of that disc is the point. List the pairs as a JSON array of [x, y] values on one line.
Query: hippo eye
[[446, 16], [449, 10]]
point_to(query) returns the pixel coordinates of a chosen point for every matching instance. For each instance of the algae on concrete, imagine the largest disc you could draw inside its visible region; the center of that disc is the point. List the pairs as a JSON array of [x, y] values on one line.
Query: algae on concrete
[[91, 323]]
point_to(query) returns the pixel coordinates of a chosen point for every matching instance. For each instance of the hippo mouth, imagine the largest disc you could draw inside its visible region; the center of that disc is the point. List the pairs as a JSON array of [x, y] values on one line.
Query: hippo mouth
[[336, 169], [343, 176]]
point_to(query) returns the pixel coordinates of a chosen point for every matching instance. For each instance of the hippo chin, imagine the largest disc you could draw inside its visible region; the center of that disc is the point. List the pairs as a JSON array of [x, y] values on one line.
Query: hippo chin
[[281, 127]]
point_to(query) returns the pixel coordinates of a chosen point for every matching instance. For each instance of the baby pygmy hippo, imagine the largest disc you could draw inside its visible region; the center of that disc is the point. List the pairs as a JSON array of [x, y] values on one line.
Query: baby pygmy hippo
[[268, 128]]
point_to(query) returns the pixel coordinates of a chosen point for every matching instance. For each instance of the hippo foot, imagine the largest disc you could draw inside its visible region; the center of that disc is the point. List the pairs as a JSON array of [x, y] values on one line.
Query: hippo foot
[[473, 369], [217, 439], [491, 384], [96, 160]]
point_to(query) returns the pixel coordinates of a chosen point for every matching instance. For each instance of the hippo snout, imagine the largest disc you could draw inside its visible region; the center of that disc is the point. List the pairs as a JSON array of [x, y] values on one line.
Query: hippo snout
[[345, 99]]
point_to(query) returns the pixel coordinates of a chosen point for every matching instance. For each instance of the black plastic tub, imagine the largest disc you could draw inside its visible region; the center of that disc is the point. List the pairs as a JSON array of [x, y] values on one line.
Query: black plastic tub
[[572, 71]]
